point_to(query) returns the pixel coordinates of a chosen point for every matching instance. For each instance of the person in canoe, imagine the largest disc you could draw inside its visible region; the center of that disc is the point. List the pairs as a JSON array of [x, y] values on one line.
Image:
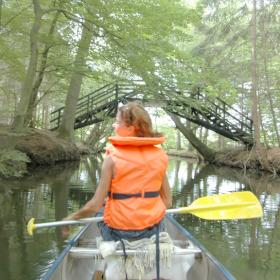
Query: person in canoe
[[133, 178]]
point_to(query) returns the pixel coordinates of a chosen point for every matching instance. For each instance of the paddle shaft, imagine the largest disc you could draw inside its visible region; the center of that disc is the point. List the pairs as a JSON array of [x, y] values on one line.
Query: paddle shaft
[[81, 221], [70, 222], [169, 211]]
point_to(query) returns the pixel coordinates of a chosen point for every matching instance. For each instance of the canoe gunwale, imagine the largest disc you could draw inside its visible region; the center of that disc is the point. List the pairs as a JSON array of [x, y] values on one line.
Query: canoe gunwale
[[64, 252]]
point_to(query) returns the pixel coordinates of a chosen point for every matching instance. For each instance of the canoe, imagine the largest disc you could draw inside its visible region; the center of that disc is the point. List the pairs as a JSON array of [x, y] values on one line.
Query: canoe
[[81, 259]]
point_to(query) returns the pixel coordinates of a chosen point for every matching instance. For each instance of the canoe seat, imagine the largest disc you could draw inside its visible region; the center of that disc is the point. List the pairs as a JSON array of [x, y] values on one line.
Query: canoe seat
[[89, 242]]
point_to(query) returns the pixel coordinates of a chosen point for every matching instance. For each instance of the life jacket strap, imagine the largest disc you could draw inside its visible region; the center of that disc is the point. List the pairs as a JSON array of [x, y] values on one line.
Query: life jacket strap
[[130, 195]]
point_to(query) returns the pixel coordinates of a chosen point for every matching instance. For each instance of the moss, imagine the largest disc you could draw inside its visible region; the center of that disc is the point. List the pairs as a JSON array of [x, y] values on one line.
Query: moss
[[13, 163]]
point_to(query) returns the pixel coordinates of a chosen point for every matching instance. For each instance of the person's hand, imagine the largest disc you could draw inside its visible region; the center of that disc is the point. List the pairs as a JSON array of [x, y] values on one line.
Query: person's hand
[[66, 229]]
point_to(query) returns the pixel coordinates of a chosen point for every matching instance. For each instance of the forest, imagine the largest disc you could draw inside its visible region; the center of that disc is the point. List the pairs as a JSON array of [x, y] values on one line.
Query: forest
[[181, 57]]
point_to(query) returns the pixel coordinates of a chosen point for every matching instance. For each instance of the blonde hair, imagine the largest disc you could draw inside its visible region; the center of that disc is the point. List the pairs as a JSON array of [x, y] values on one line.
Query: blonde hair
[[135, 114]]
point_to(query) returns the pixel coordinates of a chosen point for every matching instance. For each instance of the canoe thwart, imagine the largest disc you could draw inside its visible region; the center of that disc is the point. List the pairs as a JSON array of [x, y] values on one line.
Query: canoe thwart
[[80, 252]]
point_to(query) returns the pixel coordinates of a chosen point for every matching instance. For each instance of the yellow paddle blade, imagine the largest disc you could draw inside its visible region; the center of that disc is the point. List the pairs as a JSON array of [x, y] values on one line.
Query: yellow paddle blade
[[31, 226], [237, 205]]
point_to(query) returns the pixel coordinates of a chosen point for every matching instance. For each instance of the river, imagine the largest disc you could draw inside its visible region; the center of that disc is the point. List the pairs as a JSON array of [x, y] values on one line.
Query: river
[[250, 249]]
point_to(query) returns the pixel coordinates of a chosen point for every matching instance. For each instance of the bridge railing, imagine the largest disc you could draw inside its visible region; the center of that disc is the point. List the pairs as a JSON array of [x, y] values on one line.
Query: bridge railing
[[211, 109], [227, 114], [96, 101], [56, 117]]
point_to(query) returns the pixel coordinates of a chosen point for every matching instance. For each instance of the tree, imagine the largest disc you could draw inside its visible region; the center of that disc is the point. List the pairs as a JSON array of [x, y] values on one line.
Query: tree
[[26, 92], [255, 112], [66, 129], [206, 152], [41, 71], [264, 21], [226, 45]]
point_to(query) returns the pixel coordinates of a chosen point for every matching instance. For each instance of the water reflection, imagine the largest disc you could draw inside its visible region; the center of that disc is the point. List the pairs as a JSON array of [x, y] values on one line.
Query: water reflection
[[44, 195], [248, 248]]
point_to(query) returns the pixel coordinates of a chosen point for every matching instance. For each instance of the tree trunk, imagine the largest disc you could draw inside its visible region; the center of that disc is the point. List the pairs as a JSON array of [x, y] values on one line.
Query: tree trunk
[[45, 117], [242, 102], [205, 137], [1, 4], [94, 135], [272, 110], [66, 129], [266, 74], [263, 129], [200, 137], [178, 141], [26, 92], [208, 154], [99, 132], [189, 126], [41, 72], [92, 170], [254, 96], [221, 142], [176, 175]]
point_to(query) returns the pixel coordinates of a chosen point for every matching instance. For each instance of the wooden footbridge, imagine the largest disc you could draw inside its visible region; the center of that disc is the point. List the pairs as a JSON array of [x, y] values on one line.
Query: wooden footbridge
[[211, 113]]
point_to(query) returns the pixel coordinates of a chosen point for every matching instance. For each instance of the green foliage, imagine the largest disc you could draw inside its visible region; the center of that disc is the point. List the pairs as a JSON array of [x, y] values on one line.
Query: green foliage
[[132, 39], [13, 163], [165, 43], [225, 45]]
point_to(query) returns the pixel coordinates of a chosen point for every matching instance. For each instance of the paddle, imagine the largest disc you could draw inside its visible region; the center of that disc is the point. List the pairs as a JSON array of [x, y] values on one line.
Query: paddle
[[237, 205]]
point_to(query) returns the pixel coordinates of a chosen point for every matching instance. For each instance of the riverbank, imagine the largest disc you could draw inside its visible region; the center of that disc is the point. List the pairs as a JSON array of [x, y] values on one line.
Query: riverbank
[[183, 153], [43, 148], [34, 148], [267, 160]]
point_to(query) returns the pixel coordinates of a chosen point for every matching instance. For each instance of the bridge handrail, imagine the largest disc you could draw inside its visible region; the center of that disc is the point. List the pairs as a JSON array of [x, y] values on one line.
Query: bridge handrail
[[86, 96], [205, 97], [101, 89], [101, 98], [227, 113], [214, 109]]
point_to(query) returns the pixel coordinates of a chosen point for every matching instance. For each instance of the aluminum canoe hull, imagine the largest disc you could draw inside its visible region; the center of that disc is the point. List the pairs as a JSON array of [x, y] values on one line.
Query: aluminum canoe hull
[[66, 267]]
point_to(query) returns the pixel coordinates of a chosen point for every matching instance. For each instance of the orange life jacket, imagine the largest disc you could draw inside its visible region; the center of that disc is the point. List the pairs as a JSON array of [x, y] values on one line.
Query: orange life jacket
[[134, 202]]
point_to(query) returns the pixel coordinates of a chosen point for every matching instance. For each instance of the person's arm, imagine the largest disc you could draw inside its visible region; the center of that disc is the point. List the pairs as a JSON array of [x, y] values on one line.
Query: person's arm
[[165, 192], [93, 206]]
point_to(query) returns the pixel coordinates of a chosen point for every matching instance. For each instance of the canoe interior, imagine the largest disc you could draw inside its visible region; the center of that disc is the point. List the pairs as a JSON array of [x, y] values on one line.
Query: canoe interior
[[202, 265]]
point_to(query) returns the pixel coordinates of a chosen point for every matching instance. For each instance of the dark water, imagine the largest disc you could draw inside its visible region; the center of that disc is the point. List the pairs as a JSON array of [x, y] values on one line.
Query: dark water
[[250, 249]]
